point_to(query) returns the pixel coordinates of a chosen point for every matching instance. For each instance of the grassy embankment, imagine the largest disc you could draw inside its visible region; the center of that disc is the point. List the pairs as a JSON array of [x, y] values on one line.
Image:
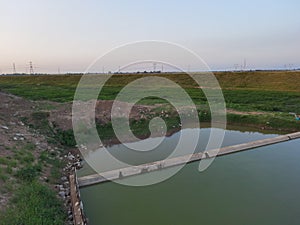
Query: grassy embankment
[[272, 94], [33, 201], [21, 169]]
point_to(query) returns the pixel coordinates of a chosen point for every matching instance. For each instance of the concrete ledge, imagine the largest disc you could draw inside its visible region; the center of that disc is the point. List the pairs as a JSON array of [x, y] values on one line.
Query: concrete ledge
[[294, 135], [252, 145], [154, 166]]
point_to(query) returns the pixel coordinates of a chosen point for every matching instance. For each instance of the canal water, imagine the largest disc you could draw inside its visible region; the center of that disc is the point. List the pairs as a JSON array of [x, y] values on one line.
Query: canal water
[[261, 186]]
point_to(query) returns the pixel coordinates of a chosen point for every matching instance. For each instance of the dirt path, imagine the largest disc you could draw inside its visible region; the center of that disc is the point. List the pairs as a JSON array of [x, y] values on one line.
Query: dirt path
[[232, 111]]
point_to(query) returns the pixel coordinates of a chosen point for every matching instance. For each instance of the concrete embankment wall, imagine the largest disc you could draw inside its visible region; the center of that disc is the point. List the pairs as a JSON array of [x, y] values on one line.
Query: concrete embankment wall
[[135, 170], [77, 206]]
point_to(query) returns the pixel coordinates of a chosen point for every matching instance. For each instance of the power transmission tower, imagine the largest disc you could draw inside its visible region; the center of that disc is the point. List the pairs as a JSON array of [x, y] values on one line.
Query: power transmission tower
[[236, 66], [14, 68], [31, 68], [245, 64], [154, 66]]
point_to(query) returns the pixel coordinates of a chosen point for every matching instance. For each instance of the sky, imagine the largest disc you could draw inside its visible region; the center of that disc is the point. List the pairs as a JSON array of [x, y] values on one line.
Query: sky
[[66, 36]]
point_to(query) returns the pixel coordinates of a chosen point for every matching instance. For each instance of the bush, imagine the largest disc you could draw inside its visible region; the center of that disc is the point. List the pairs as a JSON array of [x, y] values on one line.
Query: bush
[[65, 137], [29, 173]]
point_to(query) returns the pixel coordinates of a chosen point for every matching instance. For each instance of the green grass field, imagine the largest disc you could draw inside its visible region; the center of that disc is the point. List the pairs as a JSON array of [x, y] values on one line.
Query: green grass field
[[275, 92], [266, 91]]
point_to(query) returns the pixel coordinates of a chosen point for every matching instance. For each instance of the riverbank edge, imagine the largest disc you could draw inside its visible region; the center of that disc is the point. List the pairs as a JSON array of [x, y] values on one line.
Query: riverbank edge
[[263, 123]]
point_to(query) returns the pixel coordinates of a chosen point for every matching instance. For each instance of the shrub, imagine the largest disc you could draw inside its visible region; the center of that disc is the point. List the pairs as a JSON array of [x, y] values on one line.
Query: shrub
[[29, 173]]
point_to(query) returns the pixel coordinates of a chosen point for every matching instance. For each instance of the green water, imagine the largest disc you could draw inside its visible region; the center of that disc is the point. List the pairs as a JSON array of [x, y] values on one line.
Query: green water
[[260, 186]]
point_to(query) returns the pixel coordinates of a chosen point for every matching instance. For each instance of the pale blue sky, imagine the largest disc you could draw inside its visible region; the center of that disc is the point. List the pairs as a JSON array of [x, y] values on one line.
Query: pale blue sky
[[71, 34]]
